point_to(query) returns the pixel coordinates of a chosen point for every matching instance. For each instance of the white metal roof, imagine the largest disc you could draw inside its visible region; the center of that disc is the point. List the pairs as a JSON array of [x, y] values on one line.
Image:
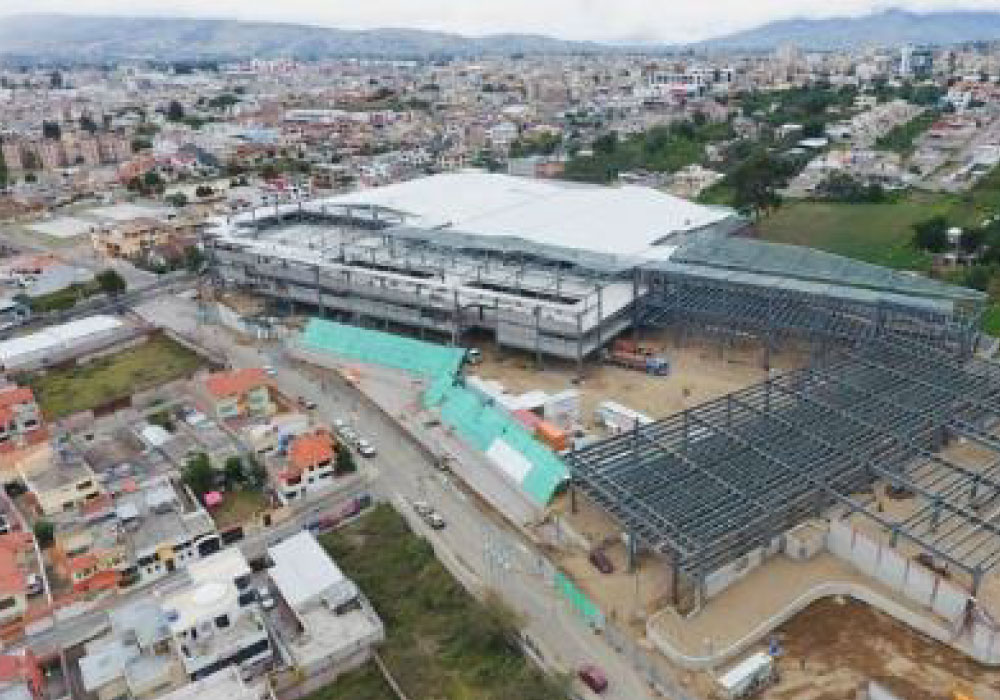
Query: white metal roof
[[304, 572], [617, 220], [746, 670], [56, 336]]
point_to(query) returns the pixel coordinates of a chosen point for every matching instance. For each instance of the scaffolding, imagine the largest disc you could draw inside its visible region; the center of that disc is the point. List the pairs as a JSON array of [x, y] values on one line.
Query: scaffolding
[[713, 483]]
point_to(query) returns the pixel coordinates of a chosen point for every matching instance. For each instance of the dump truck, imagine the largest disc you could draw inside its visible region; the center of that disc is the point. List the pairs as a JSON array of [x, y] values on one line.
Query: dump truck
[[641, 358]]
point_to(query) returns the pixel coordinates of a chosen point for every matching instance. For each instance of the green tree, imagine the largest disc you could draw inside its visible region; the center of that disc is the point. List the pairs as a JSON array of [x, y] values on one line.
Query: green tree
[[177, 199], [110, 282], [233, 469], [755, 185], [51, 130], [344, 463], [931, 234], [194, 258], [175, 111], [45, 533], [198, 474], [255, 475]]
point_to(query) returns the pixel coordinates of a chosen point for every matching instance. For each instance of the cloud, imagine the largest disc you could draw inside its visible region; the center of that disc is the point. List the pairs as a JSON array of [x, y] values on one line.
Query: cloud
[[650, 20]]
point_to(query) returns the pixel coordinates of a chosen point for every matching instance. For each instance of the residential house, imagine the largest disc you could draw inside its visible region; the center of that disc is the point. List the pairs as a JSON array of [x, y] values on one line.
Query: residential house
[[241, 393], [21, 422], [91, 556], [335, 627], [20, 676], [309, 465], [60, 481], [15, 550], [141, 237]]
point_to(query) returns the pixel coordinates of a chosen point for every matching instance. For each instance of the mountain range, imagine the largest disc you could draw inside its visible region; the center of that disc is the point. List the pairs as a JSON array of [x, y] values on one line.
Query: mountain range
[[92, 38]]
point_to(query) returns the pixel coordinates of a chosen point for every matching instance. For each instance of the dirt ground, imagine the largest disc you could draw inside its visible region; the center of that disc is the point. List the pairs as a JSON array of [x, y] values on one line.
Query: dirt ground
[[835, 645], [626, 598], [700, 370]]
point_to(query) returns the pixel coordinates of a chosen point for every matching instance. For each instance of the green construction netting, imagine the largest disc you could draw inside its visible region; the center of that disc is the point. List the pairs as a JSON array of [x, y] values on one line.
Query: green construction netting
[[376, 347], [473, 418]]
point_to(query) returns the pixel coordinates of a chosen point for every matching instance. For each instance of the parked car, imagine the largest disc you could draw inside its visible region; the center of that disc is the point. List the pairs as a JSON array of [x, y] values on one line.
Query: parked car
[[306, 403], [4, 524], [601, 562], [33, 584], [265, 598], [270, 370], [365, 448], [593, 677], [429, 515]]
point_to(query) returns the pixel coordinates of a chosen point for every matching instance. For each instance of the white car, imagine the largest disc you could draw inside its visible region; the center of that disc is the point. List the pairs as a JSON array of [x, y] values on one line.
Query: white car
[[265, 598], [365, 448], [270, 371]]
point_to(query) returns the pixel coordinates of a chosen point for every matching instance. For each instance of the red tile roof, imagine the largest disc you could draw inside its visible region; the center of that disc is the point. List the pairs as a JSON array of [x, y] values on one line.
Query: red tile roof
[[12, 579], [12, 395], [22, 668], [236, 382], [310, 449]]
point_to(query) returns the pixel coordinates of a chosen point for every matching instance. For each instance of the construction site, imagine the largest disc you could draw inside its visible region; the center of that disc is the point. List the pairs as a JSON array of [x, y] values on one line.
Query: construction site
[[741, 429]]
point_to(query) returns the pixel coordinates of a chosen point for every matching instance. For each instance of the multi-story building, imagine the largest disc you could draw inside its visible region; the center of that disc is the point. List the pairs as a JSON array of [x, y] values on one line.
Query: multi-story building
[[136, 238], [59, 481], [20, 676], [309, 467], [15, 549], [335, 627], [21, 422], [241, 393]]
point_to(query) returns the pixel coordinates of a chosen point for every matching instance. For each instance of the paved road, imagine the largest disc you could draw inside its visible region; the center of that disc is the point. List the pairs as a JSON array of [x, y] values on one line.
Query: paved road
[[492, 555]]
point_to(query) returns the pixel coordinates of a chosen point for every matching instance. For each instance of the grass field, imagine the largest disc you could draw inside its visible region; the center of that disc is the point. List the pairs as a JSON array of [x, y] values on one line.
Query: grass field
[[441, 643], [238, 507], [61, 392]]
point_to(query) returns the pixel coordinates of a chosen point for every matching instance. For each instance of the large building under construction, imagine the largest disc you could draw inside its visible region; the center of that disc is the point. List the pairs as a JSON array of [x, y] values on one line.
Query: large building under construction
[[559, 269]]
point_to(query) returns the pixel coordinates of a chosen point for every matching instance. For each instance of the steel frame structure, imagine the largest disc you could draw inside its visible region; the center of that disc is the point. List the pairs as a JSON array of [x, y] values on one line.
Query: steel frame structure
[[775, 312], [714, 482]]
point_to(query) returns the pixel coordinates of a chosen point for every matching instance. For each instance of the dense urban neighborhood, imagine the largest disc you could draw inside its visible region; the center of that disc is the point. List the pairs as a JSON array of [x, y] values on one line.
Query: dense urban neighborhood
[[515, 368]]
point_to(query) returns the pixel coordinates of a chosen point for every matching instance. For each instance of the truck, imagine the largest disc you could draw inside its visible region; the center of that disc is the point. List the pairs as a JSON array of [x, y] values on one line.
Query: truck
[[641, 358], [749, 677]]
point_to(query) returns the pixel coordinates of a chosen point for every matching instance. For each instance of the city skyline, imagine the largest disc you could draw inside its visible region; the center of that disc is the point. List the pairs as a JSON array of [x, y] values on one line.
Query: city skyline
[[623, 21]]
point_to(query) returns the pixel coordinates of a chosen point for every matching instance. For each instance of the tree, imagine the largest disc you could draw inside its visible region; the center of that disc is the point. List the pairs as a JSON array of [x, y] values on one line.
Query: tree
[[152, 182], [110, 282], [194, 258], [45, 533], [197, 474], [51, 130], [175, 111], [755, 185], [931, 234], [87, 123], [344, 463], [233, 469], [177, 199], [255, 475]]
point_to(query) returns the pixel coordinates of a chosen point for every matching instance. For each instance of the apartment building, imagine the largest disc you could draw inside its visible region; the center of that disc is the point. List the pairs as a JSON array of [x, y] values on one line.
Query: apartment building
[[140, 237]]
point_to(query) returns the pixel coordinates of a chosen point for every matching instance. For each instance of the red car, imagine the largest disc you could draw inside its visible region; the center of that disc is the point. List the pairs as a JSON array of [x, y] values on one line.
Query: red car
[[593, 678], [601, 562]]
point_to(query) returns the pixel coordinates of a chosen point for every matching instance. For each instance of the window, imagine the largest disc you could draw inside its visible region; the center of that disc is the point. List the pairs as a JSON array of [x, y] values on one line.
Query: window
[[84, 485], [8, 603], [222, 621]]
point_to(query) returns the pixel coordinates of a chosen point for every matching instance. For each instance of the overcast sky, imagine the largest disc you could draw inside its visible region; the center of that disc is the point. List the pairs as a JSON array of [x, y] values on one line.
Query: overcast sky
[[653, 20]]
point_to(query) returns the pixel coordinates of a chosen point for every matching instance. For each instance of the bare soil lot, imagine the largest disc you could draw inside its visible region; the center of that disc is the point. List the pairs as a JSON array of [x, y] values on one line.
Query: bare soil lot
[[835, 645], [700, 370]]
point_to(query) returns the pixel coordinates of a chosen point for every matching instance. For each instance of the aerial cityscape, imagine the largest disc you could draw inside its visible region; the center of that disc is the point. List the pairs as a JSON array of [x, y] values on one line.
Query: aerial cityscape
[[454, 350]]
